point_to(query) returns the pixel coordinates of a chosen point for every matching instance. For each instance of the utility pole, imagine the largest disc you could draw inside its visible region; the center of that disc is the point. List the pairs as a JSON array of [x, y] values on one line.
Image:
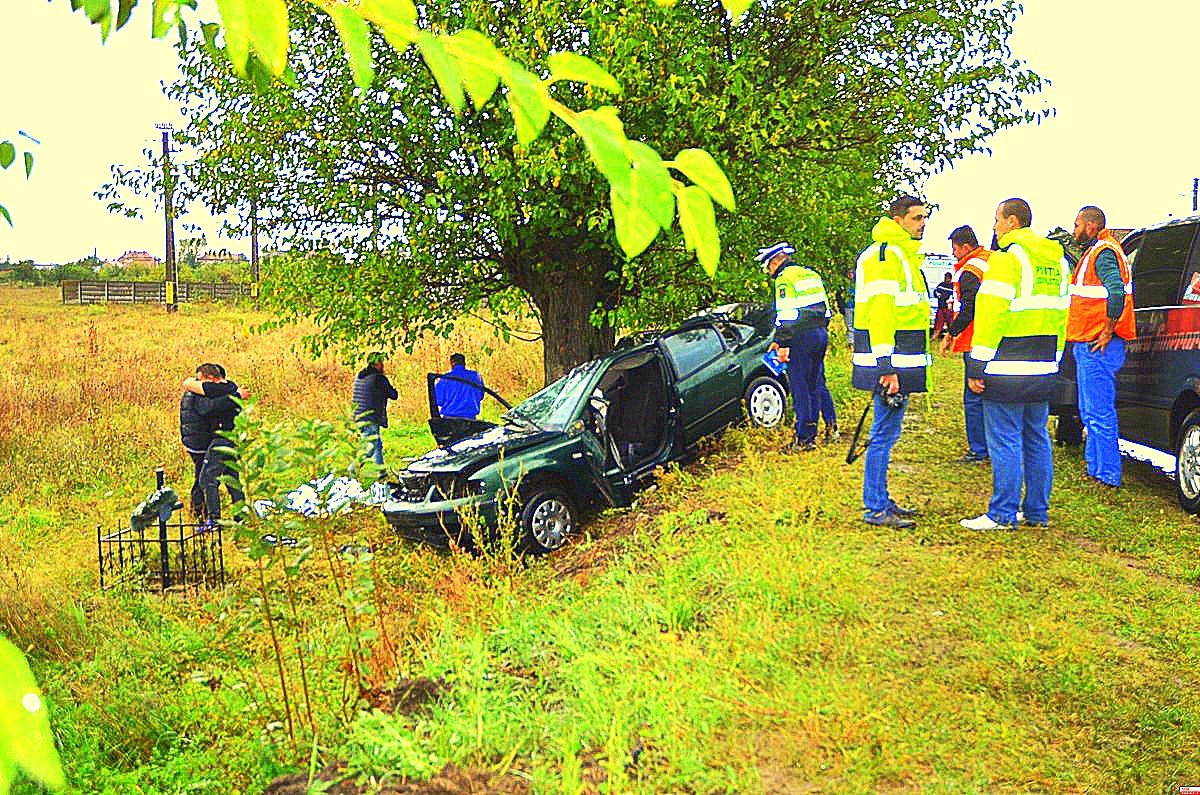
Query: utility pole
[[254, 247], [1195, 194], [172, 276]]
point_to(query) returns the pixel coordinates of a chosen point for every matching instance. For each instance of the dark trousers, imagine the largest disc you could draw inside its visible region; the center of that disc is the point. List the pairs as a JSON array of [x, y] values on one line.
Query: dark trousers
[[805, 369], [216, 465], [942, 320], [197, 486]]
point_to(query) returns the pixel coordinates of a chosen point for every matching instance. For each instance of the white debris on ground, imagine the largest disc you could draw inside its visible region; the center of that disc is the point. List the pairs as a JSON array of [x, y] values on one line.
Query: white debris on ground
[[327, 496]]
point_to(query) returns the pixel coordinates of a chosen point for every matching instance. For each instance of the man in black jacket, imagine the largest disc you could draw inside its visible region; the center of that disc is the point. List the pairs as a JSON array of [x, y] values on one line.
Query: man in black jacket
[[372, 391], [195, 427], [212, 402]]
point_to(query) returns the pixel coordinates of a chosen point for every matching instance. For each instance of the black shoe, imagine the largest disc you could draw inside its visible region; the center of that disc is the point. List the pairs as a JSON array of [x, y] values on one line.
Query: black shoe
[[973, 458], [903, 513], [889, 519], [798, 446], [832, 434]]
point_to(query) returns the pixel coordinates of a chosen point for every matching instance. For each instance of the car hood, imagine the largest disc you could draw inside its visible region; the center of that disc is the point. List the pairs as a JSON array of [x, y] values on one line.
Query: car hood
[[481, 449]]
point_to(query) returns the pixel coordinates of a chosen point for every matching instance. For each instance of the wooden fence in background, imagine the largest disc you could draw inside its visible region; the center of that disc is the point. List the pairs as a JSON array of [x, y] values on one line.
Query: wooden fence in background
[[112, 292]]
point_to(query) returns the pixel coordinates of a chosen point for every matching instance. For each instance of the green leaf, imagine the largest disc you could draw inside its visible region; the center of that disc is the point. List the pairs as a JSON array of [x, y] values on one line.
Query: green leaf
[[356, 40], [652, 187], [443, 68], [7, 217], [25, 738], [604, 137], [396, 18], [479, 62], [100, 13], [8, 153], [28, 164], [528, 103], [635, 229], [737, 7], [581, 69], [162, 24], [701, 169], [124, 9], [267, 21], [699, 223], [237, 33]]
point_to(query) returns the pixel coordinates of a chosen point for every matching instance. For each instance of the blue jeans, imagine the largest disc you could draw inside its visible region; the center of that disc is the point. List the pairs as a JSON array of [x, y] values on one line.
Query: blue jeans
[[805, 368], [1096, 374], [1020, 448], [828, 412], [370, 432], [973, 410], [885, 431], [215, 469]]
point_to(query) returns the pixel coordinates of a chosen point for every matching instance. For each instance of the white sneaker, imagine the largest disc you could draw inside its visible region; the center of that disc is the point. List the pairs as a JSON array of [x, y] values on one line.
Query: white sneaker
[[984, 522], [1020, 517]]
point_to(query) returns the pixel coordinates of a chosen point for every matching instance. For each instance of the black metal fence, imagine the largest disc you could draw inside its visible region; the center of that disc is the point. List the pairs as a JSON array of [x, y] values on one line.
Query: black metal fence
[[170, 556], [119, 292]]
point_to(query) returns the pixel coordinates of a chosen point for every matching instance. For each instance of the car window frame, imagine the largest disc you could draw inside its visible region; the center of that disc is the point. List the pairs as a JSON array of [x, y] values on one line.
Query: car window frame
[[1141, 241], [679, 376]]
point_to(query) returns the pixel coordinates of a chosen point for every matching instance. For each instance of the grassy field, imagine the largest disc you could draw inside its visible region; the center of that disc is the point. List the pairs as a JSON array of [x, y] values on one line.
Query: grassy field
[[739, 630]]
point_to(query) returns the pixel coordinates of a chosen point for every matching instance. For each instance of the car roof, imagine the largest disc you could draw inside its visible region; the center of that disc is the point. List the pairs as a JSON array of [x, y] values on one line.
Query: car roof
[[1191, 219]]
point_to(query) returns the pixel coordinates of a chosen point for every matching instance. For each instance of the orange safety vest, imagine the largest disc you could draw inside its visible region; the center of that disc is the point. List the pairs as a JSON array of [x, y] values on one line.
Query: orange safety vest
[[1088, 315], [975, 265]]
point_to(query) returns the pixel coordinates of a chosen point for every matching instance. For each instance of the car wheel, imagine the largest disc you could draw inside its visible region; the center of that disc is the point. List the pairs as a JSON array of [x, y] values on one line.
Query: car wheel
[[1187, 463], [766, 402], [548, 518]]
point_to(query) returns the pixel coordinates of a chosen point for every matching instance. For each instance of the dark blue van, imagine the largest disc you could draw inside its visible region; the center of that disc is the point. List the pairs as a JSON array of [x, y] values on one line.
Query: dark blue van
[[1158, 389]]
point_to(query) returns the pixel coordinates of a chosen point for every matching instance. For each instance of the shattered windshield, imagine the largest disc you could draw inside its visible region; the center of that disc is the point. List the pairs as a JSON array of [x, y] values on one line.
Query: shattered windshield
[[554, 407]]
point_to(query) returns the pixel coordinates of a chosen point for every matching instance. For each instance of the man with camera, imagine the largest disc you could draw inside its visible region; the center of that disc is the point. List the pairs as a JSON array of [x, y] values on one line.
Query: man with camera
[[891, 329]]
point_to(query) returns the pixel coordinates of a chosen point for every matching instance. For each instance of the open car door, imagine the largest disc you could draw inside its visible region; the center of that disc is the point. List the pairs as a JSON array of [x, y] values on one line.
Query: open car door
[[448, 430]]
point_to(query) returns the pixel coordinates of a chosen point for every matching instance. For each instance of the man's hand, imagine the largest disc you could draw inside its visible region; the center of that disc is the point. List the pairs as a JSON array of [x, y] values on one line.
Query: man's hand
[[774, 346], [890, 384], [783, 353], [1100, 343], [193, 385], [947, 341], [975, 385], [242, 393]]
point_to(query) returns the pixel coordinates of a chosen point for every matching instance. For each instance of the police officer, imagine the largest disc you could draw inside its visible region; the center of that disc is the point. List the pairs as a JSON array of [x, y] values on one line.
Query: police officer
[[801, 337], [1020, 325]]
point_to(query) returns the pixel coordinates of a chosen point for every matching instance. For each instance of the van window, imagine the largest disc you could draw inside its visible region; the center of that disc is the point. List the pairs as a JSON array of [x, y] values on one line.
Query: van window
[[692, 349], [1159, 266]]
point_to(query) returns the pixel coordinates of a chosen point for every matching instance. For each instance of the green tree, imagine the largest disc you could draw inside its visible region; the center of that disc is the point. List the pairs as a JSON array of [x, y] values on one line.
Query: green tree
[[402, 217]]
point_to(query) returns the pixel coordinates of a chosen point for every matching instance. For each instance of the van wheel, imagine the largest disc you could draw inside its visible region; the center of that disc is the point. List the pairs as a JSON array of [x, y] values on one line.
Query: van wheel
[[1187, 463], [766, 402], [548, 518]]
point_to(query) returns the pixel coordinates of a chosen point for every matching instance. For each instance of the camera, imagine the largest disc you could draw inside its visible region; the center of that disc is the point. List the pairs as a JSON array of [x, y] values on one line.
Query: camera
[[893, 401]]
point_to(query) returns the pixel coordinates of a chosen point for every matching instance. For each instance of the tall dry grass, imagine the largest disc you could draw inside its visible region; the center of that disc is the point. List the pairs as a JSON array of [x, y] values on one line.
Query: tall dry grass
[[89, 405]]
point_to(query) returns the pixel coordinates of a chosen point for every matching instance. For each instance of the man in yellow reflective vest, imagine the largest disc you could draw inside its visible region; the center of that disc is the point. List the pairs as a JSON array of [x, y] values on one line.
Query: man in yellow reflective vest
[[1020, 329], [1099, 322], [801, 317], [891, 331]]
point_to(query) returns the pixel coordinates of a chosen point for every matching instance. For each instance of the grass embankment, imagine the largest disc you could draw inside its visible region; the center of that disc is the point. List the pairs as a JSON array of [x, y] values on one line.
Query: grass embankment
[[739, 631]]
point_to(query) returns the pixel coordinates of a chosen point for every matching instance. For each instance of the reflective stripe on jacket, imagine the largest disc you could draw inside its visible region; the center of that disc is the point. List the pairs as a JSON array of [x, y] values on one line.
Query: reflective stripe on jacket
[[800, 301], [1020, 319], [891, 314], [1088, 315]]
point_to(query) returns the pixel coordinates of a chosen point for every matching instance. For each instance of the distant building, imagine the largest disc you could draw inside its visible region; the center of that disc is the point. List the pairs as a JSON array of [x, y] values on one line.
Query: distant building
[[142, 258]]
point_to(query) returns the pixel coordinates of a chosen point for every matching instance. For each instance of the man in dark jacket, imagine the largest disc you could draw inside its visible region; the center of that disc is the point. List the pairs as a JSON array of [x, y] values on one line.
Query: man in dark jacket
[[372, 391], [213, 401], [195, 426]]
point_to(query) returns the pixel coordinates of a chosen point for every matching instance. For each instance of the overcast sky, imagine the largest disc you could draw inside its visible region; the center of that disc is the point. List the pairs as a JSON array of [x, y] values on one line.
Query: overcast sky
[[1124, 136]]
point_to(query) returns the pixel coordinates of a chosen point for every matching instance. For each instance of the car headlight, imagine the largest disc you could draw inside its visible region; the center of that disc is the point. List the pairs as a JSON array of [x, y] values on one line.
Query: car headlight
[[455, 486]]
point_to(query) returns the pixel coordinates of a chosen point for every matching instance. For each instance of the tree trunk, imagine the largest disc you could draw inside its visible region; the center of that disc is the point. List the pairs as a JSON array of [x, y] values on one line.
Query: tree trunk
[[565, 303]]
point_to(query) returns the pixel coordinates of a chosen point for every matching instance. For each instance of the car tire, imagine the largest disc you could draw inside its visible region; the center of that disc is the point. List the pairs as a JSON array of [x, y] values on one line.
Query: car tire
[[766, 402], [1187, 463], [548, 518]]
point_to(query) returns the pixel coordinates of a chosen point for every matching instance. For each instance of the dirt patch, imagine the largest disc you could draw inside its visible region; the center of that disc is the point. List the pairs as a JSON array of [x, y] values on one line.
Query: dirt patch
[[1131, 561], [451, 780], [408, 696]]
